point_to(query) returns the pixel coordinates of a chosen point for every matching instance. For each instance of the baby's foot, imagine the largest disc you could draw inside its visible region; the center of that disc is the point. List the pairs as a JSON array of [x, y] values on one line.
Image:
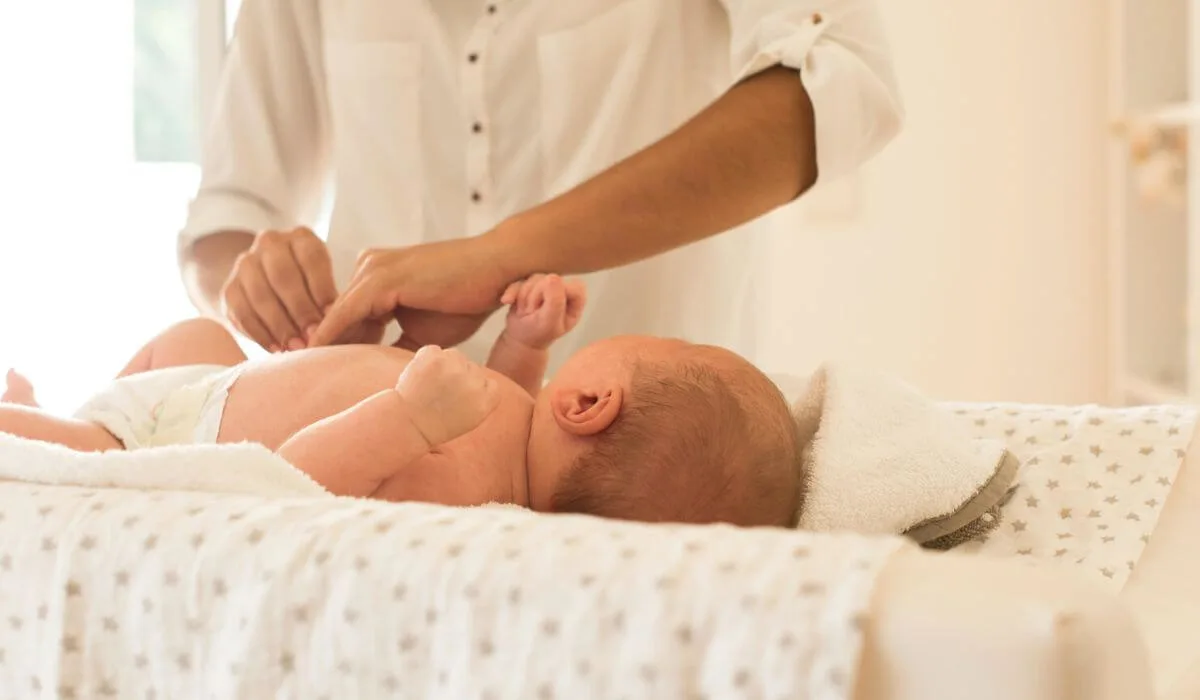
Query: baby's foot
[[18, 390]]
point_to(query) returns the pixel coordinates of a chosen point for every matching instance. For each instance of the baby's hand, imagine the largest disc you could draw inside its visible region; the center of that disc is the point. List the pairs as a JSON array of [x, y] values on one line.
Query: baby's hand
[[543, 309], [449, 395]]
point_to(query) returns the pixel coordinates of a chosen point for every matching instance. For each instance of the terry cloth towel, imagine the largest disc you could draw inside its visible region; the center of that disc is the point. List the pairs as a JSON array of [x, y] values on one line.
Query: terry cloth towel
[[242, 468], [880, 458]]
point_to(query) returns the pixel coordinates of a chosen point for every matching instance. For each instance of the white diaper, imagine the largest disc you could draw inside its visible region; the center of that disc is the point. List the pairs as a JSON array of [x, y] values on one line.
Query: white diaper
[[173, 406]]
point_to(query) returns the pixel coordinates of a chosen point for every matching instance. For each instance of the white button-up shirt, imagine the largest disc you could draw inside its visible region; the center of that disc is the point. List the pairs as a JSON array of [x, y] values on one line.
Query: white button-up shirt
[[436, 120]]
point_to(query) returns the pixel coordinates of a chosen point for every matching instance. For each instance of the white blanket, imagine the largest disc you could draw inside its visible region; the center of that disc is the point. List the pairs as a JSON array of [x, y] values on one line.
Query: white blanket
[[172, 593]]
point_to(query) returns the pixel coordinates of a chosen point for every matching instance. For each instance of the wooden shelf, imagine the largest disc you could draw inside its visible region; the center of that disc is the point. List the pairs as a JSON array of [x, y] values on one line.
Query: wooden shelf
[[1153, 205], [1181, 114], [1173, 116]]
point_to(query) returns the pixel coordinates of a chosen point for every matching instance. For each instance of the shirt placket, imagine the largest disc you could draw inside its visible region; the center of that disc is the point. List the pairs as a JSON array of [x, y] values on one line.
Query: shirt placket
[[480, 191]]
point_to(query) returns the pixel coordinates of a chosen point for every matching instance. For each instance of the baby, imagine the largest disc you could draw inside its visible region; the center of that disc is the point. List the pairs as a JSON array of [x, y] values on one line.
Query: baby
[[635, 428]]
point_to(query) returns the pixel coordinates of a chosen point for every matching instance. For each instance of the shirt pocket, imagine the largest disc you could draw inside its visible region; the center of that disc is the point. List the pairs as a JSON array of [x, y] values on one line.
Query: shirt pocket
[[374, 92], [597, 78]]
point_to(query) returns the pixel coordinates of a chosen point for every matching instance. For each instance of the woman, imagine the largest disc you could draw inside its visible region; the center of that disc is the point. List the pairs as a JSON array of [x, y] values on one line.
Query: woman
[[472, 143]]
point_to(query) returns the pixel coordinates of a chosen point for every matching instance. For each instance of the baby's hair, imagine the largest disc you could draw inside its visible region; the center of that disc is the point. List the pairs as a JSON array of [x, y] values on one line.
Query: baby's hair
[[695, 443]]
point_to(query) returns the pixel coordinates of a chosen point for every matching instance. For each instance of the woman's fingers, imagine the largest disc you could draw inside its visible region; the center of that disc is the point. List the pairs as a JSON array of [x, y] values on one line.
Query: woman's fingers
[[510, 293], [312, 257], [283, 276], [351, 308], [279, 288], [240, 312]]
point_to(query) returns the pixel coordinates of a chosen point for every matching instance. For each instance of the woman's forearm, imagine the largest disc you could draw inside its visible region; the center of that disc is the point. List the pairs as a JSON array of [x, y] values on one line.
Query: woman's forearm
[[206, 266], [749, 152]]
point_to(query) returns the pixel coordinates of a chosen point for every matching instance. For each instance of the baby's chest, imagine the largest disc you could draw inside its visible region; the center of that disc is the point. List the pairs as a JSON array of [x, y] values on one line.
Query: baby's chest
[[493, 446]]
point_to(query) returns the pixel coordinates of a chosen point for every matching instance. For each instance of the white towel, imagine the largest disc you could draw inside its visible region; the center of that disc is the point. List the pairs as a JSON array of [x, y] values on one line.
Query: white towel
[[245, 468], [883, 459]]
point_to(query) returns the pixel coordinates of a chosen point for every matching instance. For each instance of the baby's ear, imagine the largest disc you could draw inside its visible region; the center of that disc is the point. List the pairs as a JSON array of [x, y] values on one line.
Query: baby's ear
[[586, 413]]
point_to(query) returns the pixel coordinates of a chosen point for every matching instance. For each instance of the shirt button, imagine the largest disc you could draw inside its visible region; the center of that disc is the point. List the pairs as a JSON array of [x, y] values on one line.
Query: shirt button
[[476, 197], [817, 18], [491, 9], [472, 57], [477, 127]]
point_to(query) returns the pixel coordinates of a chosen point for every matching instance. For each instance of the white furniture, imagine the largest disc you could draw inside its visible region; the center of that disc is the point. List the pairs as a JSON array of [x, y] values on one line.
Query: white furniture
[[1162, 591], [1154, 215]]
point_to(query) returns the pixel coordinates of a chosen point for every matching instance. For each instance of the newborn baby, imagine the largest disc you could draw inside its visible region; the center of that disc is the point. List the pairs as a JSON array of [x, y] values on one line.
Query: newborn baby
[[636, 428]]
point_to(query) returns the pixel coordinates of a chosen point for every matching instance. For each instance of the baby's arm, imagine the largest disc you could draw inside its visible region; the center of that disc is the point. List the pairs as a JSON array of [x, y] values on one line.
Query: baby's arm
[[439, 396], [543, 308], [521, 363], [352, 452]]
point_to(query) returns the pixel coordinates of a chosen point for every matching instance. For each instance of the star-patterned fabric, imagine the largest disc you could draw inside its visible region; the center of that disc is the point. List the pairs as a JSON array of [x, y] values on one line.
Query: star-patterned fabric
[[147, 595], [1092, 482]]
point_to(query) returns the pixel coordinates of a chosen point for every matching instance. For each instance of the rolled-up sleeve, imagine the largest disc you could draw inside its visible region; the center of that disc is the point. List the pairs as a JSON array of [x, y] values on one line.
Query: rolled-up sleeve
[[841, 51], [265, 151]]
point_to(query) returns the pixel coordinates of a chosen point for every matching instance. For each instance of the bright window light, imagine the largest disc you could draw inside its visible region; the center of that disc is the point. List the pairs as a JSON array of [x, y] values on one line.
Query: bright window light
[[98, 132]]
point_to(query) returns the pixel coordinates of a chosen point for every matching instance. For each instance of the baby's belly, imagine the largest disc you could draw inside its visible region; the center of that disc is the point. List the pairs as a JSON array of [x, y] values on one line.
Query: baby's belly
[[277, 396]]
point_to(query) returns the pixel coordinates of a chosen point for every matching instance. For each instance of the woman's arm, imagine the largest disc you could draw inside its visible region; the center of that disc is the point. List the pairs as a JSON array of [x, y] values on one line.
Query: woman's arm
[[749, 152], [760, 145], [267, 150]]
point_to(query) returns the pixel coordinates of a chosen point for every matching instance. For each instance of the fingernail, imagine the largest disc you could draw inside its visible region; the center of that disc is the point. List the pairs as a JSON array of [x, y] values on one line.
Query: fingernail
[[295, 344], [274, 348], [308, 332]]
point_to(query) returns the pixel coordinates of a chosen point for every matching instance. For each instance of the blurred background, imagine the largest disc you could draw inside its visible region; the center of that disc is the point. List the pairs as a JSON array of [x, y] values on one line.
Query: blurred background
[[1026, 238]]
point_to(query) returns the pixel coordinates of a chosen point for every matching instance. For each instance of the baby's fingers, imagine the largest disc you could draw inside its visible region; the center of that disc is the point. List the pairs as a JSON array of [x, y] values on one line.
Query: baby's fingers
[[553, 302], [526, 295], [576, 299]]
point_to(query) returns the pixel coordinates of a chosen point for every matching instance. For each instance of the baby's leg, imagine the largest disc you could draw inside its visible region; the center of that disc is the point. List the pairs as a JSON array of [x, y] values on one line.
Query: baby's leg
[[200, 341], [76, 434]]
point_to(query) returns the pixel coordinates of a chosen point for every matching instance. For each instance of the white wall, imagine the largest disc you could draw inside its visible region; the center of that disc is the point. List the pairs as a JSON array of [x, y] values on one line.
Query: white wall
[[975, 266]]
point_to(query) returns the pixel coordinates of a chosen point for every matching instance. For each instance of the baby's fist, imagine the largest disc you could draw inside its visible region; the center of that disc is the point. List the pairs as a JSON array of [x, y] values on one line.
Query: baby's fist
[[449, 395], [543, 308]]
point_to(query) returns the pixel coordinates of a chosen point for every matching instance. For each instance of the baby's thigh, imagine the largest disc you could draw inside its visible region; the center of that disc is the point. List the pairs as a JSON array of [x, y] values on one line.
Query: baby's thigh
[[199, 341]]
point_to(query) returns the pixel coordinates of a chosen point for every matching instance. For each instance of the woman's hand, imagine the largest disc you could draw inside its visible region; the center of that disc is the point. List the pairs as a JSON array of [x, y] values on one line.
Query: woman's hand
[[420, 328], [279, 288], [445, 290]]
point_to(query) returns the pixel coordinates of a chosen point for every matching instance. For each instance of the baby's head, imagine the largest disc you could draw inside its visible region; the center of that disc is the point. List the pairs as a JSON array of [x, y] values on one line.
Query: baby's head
[[660, 430]]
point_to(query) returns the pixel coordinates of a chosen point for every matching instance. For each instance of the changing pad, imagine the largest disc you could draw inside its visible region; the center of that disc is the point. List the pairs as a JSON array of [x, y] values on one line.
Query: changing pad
[[1092, 483], [116, 593]]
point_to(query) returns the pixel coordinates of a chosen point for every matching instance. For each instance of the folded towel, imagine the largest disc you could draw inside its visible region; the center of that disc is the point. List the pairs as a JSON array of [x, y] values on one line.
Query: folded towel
[[244, 468], [880, 458]]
